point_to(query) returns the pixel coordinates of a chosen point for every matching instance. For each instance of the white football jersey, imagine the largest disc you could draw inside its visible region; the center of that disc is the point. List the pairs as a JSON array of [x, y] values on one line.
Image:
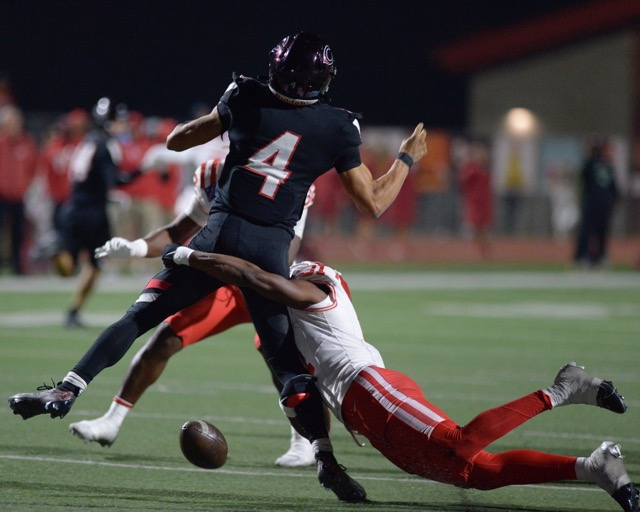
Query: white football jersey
[[204, 188], [329, 337]]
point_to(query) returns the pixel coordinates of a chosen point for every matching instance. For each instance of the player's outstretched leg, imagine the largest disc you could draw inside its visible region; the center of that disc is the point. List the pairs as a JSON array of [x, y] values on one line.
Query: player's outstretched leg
[[300, 452], [334, 477], [47, 400], [605, 467], [145, 369], [573, 385]]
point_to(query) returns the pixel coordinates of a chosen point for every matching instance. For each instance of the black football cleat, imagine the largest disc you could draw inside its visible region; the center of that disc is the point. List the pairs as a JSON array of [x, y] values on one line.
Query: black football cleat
[[628, 497], [333, 477], [47, 400], [609, 398]]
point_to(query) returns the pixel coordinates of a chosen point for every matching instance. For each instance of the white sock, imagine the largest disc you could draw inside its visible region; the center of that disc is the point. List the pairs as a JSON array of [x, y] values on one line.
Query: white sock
[[581, 470], [558, 396], [118, 410], [75, 380]]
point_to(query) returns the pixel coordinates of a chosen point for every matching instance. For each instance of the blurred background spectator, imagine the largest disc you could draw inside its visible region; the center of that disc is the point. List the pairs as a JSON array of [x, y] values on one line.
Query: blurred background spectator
[[526, 97], [474, 179], [18, 165], [599, 193], [147, 202]]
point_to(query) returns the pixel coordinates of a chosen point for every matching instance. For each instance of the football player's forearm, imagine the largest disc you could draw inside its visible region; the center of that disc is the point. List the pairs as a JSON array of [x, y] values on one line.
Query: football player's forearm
[[178, 231], [242, 273], [229, 269], [387, 187], [373, 197], [156, 241]]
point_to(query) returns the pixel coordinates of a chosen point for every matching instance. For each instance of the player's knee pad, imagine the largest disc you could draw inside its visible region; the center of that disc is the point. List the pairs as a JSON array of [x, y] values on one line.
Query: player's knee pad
[[296, 392]]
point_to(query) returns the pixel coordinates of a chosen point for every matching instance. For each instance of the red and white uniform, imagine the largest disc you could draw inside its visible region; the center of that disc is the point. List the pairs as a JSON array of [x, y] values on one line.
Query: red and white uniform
[[225, 307], [329, 337], [391, 411]]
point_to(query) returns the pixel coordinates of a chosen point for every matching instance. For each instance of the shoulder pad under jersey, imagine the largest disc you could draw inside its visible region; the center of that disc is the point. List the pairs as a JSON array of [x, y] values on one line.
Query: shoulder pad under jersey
[[205, 176]]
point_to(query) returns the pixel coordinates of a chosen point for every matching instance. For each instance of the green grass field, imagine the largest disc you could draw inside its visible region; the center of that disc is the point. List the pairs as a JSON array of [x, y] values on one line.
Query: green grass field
[[473, 340]]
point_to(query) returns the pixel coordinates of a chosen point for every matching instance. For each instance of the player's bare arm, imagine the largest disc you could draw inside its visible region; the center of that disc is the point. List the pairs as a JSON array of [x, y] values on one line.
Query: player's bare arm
[[373, 196], [195, 132], [181, 229], [178, 231], [297, 294]]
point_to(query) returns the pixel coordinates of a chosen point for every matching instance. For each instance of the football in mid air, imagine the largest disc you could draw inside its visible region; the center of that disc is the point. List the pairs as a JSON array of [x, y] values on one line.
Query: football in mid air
[[203, 444]]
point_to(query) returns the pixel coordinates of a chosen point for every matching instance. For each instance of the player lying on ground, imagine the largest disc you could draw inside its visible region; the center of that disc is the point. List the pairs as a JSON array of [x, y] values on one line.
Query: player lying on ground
[[212, 315], [390, 410]]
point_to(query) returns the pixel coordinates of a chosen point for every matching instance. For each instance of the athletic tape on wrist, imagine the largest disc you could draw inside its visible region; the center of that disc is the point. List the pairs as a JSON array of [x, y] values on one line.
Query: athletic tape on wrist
[[139, 248], [181, 256]]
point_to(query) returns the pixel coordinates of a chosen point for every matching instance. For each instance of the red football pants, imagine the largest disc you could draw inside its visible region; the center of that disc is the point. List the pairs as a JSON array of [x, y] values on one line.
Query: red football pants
[[390, 410], [211, 315]]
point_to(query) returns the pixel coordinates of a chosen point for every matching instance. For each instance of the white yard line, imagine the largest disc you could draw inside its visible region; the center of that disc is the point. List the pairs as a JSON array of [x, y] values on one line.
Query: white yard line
[[261, 473], [430, 280]]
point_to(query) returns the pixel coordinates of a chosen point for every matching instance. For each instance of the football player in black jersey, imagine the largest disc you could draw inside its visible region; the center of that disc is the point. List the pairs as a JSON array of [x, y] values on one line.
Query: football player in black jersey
[[93, 171], [283, 134]]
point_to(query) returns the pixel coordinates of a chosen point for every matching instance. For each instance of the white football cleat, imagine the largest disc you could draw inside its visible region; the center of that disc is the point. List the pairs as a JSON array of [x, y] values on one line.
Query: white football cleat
[[101, 430], [299, 454]]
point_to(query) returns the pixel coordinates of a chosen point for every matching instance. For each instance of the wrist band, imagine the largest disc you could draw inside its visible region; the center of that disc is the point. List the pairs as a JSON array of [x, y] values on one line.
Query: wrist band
[[404, 157], [139, 248], [181, 256]]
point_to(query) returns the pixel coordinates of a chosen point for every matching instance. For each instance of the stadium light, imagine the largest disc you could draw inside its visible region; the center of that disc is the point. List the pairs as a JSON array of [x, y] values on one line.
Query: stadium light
[[521, 123]]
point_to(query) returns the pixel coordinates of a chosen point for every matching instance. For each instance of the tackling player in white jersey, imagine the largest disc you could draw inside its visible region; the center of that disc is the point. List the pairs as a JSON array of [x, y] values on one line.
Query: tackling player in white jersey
[[212, 315], [390, 410]]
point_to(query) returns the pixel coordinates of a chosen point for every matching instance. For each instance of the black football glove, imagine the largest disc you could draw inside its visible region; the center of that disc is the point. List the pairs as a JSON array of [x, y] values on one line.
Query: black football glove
[[167, 255]]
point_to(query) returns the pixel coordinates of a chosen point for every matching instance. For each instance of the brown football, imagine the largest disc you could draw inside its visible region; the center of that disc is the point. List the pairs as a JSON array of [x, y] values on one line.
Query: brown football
[[203, 444]]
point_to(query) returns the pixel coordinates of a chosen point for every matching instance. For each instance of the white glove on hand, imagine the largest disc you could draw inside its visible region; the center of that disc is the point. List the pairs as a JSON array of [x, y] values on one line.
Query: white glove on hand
[[122, 248]]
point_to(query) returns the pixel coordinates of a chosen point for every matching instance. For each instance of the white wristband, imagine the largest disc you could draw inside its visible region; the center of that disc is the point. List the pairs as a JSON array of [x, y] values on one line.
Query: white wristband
[[181, 256], [139, 248]]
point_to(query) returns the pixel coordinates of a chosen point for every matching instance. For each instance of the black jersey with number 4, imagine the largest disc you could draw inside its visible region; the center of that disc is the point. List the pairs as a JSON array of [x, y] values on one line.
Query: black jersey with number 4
[[277, 150]]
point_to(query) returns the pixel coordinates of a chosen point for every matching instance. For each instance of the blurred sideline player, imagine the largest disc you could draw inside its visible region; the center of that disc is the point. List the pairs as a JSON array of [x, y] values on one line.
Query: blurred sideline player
[[390, 410], [212, 315], [94, 171]]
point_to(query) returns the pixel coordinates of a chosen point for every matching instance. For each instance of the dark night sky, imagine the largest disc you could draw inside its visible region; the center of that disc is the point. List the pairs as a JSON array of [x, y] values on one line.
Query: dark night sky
[[162, 56]]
